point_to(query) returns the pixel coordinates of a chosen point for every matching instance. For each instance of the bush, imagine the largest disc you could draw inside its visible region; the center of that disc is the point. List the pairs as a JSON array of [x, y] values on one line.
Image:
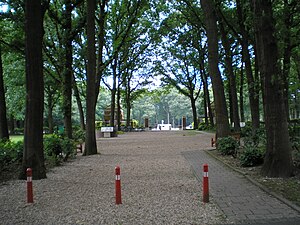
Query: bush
[[68, 147], [252, 156], [58, 148], [10, 152], [52, 145], [99, 124], [296, 158], [204, 126], [78, 135], [247, 129], [294, 132], [227, 146]]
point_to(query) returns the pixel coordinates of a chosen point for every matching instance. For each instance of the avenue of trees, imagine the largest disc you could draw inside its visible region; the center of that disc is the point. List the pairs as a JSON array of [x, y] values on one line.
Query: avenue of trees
[[230, 61]]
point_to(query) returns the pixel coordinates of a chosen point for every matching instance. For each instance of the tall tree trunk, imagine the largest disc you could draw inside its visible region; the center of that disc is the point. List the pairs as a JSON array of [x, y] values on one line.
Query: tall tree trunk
[[79, 104], [128, 104], [119, 107], [194, 110], [101, 42], [252, 83], [204, 99], [113, 93], [68, 77], [90, 137], [242, 112], [223, 128], [128, 112], [50, 111], [33, 155], [287, 52], [210, 111], [278, 159], [3, 119], [11, 124], [232, 82]]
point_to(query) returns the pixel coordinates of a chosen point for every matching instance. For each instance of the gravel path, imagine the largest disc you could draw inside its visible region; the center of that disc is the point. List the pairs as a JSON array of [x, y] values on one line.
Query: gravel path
[[158, 186]]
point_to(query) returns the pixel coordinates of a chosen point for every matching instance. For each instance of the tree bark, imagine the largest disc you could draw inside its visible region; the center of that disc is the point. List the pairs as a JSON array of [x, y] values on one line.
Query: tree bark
[[79, 104], [252, 83], [242, 112], [3, 118], [223, 128], [128, 102], [119, 107], [278, 159], [50, 111], [287, 52], [206, 91], [194, 110], [101, 43], [90, 137], [232, 82], [113, 93], [33, 155], [68, 77]]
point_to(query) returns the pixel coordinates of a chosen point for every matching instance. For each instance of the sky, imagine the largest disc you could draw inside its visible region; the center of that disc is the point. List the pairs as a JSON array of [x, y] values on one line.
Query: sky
[[3, 7]]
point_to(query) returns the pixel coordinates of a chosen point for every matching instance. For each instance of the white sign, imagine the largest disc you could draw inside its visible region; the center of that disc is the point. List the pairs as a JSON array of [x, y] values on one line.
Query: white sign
[[107, 129]]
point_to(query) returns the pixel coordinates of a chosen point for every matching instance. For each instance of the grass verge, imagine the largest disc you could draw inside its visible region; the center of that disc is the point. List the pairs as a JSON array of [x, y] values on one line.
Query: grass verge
[[16, 138]]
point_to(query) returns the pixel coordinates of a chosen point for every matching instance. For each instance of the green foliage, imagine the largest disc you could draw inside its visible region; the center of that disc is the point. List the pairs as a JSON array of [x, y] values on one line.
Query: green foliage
[[68, 146], [247, 129], [52, 145], [10, 152], [99, 124], [296, 158], [78, 134], [257, 139], [294, 132], [134, 123], [227, 146], [252, 156], [204, 126], [58, 148], [16, 138], [254, 146]]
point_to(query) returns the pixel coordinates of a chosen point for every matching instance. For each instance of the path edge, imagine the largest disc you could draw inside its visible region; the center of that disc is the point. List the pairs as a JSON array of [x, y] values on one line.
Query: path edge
[[277, 196]]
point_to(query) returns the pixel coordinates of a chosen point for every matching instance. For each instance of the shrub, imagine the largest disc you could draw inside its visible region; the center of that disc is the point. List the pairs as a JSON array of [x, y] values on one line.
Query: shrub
[[227, 146], [52, 145], [204, 126], [58, 148], [296, 158], [99, 124], [294, 132], [78, 135], [68, 146], [252, 156], [246, 130], [10, 152]]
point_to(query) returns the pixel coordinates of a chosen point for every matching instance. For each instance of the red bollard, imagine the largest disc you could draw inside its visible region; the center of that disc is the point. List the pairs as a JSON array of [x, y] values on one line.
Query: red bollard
[[118, 186], [205, 184], [29, 186]]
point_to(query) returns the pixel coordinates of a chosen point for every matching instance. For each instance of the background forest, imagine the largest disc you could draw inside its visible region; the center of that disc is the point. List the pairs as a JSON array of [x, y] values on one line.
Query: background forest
[[216, 62]]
